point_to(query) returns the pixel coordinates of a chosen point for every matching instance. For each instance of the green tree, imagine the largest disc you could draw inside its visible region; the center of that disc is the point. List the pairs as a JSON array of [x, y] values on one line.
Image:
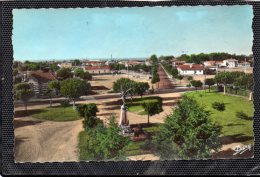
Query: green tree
[[156, 79], [101, 143], [247, 82], [86, 76], [154, 59], [196, 84], [179, 77], [24, 93], [141, 87], [54, 67], [55, 86], [209, 82], [64, 73], [73, 89], [152, 108], [190, 78], [76, 62], [78, 72], [187, 133], [90, 115], [50, 93], [122, 83], [224, 78]]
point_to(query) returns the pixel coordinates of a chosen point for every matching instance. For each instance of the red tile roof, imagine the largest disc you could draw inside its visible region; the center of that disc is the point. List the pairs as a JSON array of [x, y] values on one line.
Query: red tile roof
[[97, 67], [43, 75], [191, 67]]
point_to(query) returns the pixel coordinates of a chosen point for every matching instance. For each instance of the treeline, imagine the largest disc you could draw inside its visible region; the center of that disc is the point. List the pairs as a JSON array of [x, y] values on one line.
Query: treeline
[[199, 58], [42, 65], [136, 68], [154, 70]]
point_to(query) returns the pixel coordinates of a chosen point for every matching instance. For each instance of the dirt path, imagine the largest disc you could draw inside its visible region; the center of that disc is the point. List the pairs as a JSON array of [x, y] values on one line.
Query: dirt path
[[46, 141]]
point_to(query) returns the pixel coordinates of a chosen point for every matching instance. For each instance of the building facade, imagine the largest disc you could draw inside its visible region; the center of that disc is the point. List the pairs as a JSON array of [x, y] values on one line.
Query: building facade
[[191, 69]]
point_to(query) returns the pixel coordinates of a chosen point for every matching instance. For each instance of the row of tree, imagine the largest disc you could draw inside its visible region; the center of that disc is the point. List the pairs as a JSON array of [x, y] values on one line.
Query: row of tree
[[42, 65], [154, 70], [66, 73], [236, 80], [136, 88], [71, 89], [199, 58], [172, 71]]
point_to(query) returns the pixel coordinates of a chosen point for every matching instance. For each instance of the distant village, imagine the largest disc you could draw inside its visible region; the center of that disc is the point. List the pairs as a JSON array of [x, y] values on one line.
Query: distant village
[[39, 74]]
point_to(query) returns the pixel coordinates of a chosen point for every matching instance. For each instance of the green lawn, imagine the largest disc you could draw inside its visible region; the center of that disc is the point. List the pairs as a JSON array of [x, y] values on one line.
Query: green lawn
[[134, 148], [235, 128], [57, 113], [136, 105]]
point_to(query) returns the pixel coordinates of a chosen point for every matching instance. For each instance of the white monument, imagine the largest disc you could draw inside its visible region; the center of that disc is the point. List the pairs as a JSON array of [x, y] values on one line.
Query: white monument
[[124, 122]]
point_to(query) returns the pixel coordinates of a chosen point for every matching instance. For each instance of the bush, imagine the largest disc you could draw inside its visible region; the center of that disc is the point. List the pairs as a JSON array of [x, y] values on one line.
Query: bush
[[242, 115], [65, 103], [219, 106]]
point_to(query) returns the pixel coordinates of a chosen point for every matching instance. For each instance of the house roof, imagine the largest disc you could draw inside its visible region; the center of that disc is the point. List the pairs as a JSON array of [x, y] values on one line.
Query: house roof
[[231, 59], [211, 61], [97, 67], [191, 67], [43, 75]]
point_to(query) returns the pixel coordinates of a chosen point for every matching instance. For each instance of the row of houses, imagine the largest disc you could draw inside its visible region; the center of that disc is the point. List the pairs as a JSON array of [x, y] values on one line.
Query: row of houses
[[199, 69]]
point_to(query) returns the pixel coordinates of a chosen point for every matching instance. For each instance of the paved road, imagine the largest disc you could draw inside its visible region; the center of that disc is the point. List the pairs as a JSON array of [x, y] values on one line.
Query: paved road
[[103, 96]]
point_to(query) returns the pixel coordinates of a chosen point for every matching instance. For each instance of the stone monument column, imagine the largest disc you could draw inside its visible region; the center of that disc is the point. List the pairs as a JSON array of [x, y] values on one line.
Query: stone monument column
[[123, 116]]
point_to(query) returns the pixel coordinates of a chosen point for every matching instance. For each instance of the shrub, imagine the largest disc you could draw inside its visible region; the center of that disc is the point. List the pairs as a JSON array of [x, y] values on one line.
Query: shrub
[[65, 103], [242, 115], [219, 106], [188, 85]]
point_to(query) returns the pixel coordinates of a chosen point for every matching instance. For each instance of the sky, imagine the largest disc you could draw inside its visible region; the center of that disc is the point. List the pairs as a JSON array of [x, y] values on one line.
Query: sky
[[93, 33]]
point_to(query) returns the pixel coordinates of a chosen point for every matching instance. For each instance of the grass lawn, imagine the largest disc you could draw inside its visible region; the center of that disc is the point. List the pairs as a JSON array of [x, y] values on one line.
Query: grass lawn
[[136, 105], [134, 148], [234, 128], [57, 113]]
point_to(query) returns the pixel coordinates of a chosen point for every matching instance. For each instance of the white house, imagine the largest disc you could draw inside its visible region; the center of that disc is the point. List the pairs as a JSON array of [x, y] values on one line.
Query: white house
[[230, 63], [192, 69], [244, 64]]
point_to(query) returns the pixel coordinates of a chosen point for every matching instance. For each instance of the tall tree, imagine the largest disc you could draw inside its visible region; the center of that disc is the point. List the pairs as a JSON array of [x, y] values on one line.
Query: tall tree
[[55, 86], [152, 108], [73, 89], [224, 78], [179, 77], [156, 79], [64, 73], [187, 133], [24, 93], [209, 82], [141, 87], [196, 84]]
